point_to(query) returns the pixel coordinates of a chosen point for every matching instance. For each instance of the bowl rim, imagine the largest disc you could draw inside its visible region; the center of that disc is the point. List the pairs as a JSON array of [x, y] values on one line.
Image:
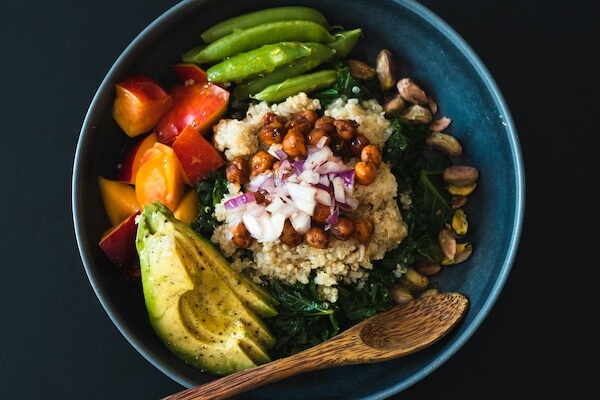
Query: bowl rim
[[519, 183]]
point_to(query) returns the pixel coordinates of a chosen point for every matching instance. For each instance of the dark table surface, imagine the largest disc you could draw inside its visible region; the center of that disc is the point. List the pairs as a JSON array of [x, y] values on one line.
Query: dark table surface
[[56, 341]]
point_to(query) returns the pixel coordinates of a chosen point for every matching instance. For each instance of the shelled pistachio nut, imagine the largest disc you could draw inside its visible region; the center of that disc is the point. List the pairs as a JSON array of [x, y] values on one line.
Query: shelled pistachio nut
[[416, 113], [411, 92], [447, 242], [460, 225], [461, 175], [385, 68], [414, 280]]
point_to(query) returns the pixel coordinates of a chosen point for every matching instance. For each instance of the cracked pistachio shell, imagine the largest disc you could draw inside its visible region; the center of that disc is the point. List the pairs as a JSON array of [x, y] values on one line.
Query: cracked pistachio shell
[[361, 70], [447, 242]]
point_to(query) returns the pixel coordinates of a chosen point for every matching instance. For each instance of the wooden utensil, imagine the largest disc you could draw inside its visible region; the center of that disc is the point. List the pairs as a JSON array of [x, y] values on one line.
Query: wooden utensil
[[398, 332]]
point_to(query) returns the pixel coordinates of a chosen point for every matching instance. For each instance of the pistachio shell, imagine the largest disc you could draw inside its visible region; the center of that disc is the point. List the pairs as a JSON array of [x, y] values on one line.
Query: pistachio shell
[[461, 175], [394, 104], [386, 69], [429, 292], [445, 143], [361, 70], [417, 114], [447, 242], [414, 280]]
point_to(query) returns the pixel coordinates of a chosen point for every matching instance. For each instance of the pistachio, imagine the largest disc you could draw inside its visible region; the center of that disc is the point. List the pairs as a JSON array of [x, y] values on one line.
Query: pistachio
[[361, 70], [447, 242], [463, 252], [411, 92], [414, 280], [393, 104], [432, 105], [386, 69], [400, 293], [445, 143], [460, 225], [461, 190], [440, 124], [428, 268], [417, 114], [461, 175], [458, 201]]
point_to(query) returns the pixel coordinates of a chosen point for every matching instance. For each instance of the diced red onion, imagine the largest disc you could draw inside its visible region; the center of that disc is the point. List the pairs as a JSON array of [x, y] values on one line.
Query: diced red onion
[[240, 200]]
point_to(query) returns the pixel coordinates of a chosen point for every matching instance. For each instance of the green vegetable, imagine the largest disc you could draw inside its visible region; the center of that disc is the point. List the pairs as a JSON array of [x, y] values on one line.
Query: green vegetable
[[255, 18], [256, 36], [320, 54], [210, 192], [258, 61], [345, 42], [303, 320], [306, 83], [348, 86]]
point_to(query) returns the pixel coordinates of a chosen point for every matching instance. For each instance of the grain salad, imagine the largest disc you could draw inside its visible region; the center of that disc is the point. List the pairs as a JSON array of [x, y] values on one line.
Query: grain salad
[[345, 261]]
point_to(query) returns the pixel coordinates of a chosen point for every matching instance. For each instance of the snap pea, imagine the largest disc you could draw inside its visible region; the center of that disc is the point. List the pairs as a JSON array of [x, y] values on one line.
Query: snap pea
[[258, 61], [255, 18], [306, 83], [256, 36], [319, 55], [344, 42]]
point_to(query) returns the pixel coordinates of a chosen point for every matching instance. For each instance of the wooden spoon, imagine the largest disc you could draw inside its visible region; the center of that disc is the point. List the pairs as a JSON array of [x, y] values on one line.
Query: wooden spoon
[[398, 332]]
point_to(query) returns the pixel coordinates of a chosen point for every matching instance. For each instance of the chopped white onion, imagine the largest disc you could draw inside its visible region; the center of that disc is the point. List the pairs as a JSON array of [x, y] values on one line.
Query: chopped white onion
[[300, 222]]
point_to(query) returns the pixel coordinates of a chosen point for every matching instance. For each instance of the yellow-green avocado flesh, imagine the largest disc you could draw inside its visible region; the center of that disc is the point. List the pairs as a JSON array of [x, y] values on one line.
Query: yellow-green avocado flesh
[[206, 313]]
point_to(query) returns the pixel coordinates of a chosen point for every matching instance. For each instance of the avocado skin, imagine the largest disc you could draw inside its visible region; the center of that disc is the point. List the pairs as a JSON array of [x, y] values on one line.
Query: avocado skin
[[200, 308]]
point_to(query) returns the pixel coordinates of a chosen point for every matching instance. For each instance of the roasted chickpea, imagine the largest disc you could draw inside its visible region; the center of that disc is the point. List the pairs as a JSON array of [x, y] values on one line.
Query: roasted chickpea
[[261, 162], [358, 142], [343, 228], [293, 143], [325, 123], [338, 146], [309, 116], [271, 136], [259, 197], [299, 123], [346, 128], [272, 120], [241, 237], [371, 153], [290, 236], [238, 171], [317, 237], [315, 135], [365, 172], [321, 213], [363, 230]]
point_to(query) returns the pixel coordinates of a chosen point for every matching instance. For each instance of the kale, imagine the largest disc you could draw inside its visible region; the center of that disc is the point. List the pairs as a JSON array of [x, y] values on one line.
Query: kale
[[210, 192], [418, 172], [374, 297], [304, 319]]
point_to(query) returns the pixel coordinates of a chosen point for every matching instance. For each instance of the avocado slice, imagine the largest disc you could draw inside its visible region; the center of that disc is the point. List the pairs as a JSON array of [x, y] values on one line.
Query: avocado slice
[[193, 310], [252, 295]]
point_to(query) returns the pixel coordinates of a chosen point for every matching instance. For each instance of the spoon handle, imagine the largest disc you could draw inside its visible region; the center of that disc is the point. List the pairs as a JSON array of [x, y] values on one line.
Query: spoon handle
[[308, 360]]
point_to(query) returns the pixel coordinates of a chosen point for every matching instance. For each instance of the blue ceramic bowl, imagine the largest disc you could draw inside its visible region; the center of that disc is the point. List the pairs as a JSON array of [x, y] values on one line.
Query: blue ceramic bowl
[[429, 51]]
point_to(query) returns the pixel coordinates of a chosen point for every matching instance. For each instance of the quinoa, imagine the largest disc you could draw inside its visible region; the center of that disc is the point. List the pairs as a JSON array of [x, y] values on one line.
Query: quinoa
[[346, 261]]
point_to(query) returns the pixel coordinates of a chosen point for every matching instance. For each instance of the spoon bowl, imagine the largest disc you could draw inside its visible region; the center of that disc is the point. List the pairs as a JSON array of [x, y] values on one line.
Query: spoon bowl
[[400, 331]]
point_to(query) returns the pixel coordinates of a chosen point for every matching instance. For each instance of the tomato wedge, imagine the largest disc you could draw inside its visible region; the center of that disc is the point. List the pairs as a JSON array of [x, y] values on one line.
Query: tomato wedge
[[199, 105], [197, 156]]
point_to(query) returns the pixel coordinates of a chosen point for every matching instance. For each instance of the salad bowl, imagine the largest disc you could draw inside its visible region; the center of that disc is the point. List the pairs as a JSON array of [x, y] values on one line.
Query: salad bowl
[[431, 53]]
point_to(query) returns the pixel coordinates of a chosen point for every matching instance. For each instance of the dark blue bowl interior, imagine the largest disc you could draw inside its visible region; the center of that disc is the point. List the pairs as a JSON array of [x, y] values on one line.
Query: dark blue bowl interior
[[428, 51]]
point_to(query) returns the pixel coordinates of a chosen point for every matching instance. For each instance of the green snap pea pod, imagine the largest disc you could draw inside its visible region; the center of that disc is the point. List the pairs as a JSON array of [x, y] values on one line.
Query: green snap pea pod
[[344, 42], [256, 36], [258, 61], [188, 56], [255, 18], [319, 55], [306, 83]]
